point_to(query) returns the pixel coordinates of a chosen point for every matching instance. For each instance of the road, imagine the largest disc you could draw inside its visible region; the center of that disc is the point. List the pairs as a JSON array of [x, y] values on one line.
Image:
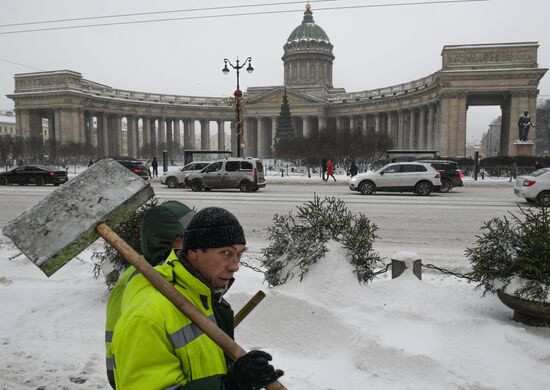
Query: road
[[438, 227]]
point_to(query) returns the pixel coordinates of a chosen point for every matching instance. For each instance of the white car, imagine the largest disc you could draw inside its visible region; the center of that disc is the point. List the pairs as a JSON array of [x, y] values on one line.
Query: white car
[[420, 178], [534, 187], [175, 179]]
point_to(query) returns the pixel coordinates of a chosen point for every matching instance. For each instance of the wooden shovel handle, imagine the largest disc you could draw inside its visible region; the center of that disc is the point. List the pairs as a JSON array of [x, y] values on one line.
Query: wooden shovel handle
[[248, 307], [229, 346]]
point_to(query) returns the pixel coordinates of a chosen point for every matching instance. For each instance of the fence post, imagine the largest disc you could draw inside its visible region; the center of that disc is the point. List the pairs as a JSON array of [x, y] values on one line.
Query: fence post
[[476, 164], [400, 261]]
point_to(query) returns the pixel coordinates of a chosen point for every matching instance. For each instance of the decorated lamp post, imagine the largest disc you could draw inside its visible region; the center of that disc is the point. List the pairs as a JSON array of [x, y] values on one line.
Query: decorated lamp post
[[238, 94]]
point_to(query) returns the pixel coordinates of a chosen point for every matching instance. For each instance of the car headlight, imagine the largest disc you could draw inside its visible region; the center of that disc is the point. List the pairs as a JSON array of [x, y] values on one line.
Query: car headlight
[[353, 179]]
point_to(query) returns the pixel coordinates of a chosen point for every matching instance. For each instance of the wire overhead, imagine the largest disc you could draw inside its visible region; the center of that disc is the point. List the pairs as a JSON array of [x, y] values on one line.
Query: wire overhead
[[420, 3]]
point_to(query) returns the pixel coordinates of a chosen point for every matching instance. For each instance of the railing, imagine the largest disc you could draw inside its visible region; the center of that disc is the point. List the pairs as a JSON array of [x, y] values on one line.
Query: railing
[[396, 90]]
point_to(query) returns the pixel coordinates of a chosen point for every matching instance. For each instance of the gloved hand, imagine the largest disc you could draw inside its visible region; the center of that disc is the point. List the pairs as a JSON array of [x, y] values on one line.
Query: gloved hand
[[251, 372]]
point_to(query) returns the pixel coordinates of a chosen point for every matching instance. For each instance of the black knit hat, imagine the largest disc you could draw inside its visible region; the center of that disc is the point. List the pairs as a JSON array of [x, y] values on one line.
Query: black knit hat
[[213, 227]]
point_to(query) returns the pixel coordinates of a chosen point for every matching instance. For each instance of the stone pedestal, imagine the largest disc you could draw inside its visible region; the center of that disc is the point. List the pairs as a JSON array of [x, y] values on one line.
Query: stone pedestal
[[524, 148]]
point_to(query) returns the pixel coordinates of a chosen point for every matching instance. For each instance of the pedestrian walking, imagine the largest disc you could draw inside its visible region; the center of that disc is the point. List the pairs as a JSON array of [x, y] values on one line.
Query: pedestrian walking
[[324, 168], [353, 169], [155, 165], [330, 170]]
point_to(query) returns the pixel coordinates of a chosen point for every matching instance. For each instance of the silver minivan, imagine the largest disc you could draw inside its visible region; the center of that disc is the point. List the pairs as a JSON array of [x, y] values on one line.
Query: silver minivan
[[246, 174]]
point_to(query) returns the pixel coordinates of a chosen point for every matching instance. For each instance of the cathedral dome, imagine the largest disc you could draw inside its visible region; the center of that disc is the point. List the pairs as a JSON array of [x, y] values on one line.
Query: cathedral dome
[[308, 30]]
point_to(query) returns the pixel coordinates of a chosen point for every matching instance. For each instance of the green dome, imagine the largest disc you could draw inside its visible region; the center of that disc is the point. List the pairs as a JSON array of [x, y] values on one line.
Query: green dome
[[308, 30]]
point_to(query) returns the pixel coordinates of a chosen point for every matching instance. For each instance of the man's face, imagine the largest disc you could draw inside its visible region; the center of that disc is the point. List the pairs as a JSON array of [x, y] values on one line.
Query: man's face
[[217, 265]]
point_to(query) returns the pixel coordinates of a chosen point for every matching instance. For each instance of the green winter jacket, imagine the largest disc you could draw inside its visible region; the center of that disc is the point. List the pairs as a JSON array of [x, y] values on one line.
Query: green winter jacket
[[156, 346], [113, 314]]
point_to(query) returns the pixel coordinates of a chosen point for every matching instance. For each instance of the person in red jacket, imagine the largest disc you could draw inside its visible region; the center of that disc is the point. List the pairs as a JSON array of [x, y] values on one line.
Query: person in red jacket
[[330, 170]]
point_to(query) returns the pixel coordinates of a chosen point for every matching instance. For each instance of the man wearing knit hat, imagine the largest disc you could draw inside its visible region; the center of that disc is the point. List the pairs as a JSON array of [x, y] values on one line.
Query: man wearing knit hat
[[156, 346], [161, 234]]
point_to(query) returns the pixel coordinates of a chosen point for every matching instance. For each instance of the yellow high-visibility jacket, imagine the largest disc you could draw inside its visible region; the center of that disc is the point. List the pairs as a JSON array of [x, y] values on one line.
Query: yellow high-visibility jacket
[[155, 346], [113, 314]]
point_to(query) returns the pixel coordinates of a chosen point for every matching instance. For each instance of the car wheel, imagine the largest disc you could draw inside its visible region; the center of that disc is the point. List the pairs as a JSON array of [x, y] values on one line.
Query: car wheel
[[445, 186], [245, 186], [196, 185], [3, 181], [38, 181], [423, 188], [543, 199], [367, 188], [172, 182]]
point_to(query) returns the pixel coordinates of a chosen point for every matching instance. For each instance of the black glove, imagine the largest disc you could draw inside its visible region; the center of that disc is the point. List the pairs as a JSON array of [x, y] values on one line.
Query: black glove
[[251, 372]]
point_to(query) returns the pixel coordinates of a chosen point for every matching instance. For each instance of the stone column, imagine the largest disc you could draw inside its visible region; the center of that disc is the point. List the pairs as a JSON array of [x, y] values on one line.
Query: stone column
[[177, 135], [260, 141], [430, 131], [233, 138], [106, 140], [89, 129], [161, 134], [205, 134], [460, 139], [400, 129], [131, 131], [412, 129], [274, 120], [52, 152], [245, 136], [146, 131], [389, 127], [169, 139], [422, 128], [365, 123], [447, 116], [221, 134], [377, 123], [192, 134], [352, 122], [322, 122], [187, 143], [22, 126], [113, 130], [81, 134], [305, 126]]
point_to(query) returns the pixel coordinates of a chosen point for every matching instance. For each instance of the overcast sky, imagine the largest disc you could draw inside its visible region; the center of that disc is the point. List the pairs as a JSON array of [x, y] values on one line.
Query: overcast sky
[[374, 47]]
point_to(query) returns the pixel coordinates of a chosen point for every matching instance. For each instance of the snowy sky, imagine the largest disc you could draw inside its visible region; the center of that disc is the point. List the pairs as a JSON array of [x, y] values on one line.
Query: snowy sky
[[374, 47]]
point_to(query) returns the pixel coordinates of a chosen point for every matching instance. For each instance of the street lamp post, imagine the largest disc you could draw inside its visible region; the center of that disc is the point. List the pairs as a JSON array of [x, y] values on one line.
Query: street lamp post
[[238, 94]]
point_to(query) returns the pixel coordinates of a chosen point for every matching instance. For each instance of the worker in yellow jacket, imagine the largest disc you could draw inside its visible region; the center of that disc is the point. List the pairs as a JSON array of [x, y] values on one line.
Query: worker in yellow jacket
[[156, 346], [161, 233]]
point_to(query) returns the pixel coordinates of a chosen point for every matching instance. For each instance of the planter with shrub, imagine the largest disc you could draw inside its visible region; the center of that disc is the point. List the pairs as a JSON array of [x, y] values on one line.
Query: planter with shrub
[[511, 258]]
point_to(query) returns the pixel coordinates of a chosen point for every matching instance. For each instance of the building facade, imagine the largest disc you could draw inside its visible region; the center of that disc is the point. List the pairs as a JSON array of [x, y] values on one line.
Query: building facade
[[428, 113]]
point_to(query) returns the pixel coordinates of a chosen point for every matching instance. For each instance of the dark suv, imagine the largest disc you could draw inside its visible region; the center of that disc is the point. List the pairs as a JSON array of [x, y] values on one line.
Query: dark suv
[[451, 175], [135, 166]]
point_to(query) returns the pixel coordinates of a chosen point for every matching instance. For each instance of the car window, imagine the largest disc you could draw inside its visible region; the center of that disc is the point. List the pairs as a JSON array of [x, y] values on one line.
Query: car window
[[231, 166], [539, 172], [19, 169], [421, 168], [391, 169], [409, 168], [246, 166], [216, 166], [259, 166]]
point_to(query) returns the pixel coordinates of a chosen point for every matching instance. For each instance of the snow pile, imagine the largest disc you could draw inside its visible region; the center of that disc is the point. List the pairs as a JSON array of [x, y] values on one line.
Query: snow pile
[[327, 332]]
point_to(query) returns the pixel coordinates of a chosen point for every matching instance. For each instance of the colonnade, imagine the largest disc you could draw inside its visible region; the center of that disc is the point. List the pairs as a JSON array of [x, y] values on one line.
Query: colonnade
[[144, 136]]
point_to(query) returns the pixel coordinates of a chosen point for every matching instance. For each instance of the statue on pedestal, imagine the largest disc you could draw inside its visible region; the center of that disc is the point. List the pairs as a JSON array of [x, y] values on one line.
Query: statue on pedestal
[[524, 124]]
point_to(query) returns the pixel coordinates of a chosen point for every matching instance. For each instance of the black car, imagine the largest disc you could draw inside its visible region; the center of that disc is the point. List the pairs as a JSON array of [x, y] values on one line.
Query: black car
[[135, 166], [451, 175], [37, 175]]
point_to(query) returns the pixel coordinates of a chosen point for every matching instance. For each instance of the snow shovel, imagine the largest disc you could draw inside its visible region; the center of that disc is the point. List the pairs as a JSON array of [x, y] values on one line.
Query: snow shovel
[[72, 217]]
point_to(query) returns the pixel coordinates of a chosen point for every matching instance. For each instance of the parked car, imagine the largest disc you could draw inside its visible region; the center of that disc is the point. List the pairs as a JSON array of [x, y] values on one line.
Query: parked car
[[451, 175], [534, 187], [420, 178], [246, 174], [176, 178], [37, 175], [135, 166]]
